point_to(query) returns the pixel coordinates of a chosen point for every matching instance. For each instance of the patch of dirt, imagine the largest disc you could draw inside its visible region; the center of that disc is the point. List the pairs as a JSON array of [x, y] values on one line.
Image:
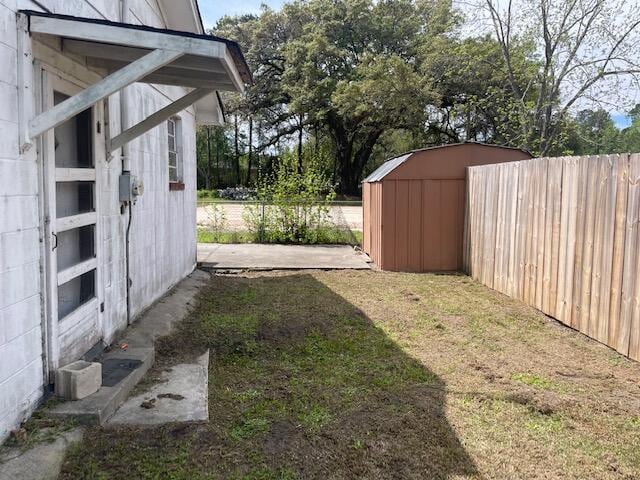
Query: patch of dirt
[[281, 438], [543, 406], [289, 332], [172, 396], [586, 375], [394, 435], [149, 404], [412, 297], [182, 430]]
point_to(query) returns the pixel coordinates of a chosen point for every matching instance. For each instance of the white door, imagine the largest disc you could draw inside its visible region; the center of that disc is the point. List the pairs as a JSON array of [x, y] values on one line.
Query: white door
[[71, 206]]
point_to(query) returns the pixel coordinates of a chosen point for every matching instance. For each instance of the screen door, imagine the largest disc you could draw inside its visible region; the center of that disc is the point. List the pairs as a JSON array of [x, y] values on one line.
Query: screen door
[[72, 223]]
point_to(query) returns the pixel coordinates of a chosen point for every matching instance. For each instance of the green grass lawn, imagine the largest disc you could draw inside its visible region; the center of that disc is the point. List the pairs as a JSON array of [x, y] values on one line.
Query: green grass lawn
[[205, 235], [208, 200], [348, 375], [332, 236]]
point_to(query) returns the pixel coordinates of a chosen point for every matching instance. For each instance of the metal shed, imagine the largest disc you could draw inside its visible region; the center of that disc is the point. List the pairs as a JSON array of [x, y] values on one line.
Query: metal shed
[[414, 206]]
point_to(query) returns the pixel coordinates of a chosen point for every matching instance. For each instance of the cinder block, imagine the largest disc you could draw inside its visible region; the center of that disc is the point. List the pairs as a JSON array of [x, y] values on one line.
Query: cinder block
[[78, 380]]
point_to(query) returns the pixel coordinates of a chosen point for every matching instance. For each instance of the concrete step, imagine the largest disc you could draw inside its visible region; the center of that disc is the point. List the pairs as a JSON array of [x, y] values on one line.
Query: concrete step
[[156, 322], [98, 407]]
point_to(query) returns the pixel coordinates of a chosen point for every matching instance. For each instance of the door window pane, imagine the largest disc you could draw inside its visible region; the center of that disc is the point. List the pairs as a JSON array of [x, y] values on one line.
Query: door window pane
[[72, 139], [75, 246], [75, 293], [74, 198]]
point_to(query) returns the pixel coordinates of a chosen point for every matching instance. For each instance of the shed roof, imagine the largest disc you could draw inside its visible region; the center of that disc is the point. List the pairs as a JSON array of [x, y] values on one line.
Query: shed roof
[[390, 165], [387, 167]]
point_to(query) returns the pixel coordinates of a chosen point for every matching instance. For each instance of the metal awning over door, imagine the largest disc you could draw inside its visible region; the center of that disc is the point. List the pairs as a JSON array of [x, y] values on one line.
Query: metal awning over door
[[134, 53]]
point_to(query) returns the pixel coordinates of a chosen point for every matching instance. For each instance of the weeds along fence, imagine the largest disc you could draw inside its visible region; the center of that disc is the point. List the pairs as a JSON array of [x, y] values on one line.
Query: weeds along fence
[[562, 234]]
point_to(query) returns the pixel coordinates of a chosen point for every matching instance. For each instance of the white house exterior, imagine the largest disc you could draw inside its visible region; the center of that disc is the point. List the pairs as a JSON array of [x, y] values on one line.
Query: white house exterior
[[63, 224]]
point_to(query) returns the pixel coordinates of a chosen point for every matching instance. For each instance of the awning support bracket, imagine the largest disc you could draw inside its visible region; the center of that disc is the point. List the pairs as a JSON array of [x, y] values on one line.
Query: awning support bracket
[[24, 104], [101, 90], [157, 118]]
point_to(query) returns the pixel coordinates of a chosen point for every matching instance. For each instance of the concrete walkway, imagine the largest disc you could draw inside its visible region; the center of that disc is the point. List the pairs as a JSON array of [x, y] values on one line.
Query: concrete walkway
[[42, 462], [280, 257]]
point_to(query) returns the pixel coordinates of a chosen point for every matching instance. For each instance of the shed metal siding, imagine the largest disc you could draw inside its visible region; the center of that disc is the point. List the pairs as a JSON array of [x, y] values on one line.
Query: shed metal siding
[[414, 206], [372, 220]]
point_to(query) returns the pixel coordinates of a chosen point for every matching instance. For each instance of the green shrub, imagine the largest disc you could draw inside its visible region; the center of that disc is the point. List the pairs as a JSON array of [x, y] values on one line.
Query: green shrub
[[292, 207], [215, 229], [217, 219], [207, 194]]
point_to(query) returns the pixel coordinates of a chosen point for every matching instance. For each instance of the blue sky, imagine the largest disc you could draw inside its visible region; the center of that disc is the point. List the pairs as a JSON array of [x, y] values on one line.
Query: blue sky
[[212, 10], [621, 121]]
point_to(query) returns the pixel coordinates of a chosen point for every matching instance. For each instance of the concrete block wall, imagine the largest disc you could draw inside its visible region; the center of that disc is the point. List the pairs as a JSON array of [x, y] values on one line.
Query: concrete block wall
[[21, 368], [163, 234], [163, 246]]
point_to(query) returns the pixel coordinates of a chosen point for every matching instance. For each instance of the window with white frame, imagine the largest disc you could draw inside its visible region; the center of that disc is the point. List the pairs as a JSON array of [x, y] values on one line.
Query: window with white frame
[[174, 131]]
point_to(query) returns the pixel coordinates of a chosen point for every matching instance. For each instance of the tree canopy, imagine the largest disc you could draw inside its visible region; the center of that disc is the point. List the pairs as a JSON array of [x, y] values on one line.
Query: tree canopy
[[368, 79]]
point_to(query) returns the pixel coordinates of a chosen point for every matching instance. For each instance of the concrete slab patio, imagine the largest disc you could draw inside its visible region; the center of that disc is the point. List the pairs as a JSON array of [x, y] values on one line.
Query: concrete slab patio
[[181, 396], [280, 257]]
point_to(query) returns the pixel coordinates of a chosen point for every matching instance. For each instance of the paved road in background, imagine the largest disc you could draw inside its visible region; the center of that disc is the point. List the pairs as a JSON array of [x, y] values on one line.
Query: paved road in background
[[343, 216]]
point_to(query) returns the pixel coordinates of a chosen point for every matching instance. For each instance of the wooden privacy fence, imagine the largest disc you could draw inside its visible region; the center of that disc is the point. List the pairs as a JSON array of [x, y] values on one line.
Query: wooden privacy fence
[[562, 235]]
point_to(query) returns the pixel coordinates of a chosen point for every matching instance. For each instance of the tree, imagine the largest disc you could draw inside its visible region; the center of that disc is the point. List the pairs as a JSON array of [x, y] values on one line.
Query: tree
[[349, 67], [356, 70], [631, 135], [263, 38], [582, 46], [476, 100], [598, 133], [213, 146], [250, 154]]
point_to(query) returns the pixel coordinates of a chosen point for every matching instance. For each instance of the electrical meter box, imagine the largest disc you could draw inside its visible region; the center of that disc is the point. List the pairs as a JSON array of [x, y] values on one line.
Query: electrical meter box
[[130, 187]]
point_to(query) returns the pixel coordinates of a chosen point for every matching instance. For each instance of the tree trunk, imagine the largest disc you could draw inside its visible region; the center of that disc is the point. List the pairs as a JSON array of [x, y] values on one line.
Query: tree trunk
[[350, 164], [250, 151], [345, 168], [237, 150], [316, 139], [219, 147], [300, 145], [209, 160], [352, 168]]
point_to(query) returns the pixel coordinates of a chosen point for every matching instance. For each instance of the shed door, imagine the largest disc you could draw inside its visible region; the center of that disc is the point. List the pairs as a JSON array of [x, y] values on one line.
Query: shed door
[[72, 224]]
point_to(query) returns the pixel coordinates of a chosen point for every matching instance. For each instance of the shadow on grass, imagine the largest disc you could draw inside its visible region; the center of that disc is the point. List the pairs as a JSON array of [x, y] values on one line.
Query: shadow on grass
[[302, 385]]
